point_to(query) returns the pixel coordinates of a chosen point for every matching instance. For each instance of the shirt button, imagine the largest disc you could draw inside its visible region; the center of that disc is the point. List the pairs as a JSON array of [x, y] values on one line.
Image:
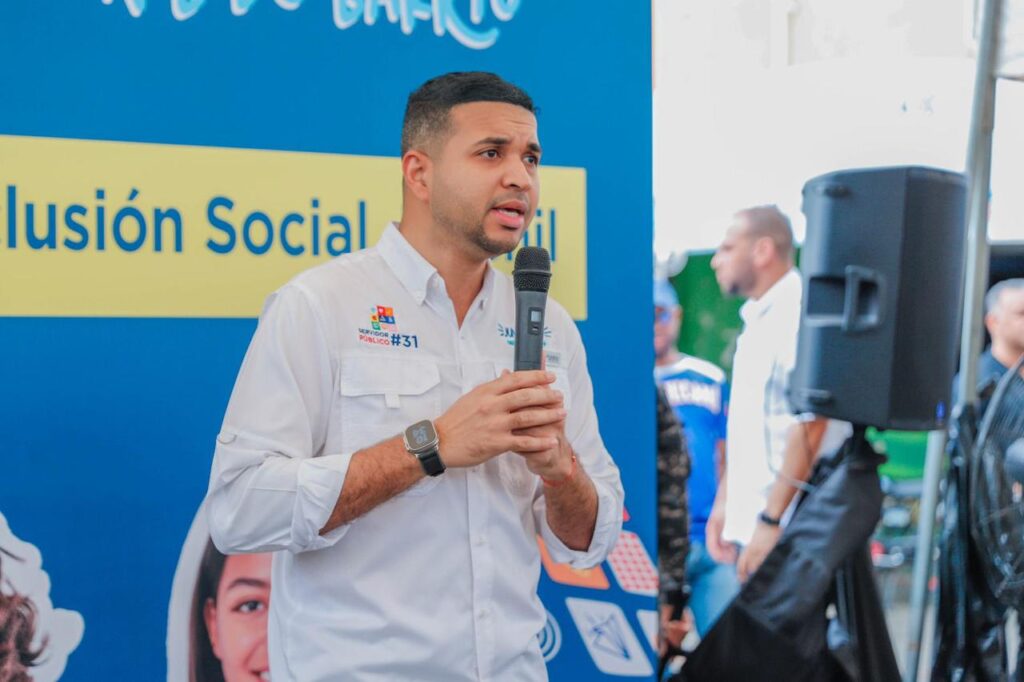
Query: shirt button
[[483, 614], [480, 541]]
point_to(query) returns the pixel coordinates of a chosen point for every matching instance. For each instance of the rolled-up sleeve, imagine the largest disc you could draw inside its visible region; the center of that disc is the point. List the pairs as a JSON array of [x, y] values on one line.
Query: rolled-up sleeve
[[582, 431], [271, 486]]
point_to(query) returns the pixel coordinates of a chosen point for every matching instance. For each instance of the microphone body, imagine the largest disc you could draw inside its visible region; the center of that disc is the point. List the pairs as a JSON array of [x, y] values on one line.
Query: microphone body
[[532, 277], [530, 307]]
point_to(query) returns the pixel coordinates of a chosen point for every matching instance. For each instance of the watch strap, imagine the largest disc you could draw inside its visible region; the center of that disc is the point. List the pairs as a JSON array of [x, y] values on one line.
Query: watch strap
[[431, 462]]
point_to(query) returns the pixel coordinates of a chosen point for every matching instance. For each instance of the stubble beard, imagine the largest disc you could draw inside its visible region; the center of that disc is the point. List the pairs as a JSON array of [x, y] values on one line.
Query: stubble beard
[[491, 246], [474, 233]]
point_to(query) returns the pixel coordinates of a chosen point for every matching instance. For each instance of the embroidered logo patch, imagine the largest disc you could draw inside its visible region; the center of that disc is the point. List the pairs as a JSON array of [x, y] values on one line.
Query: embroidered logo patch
[[383, 330], [383, 319], [509, 334]]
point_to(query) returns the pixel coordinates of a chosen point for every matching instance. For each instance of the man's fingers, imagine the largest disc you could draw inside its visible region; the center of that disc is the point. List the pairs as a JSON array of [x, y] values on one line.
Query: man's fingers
[[513, 381], [525, 419], [522, 444], [722, 552], [531, 397]]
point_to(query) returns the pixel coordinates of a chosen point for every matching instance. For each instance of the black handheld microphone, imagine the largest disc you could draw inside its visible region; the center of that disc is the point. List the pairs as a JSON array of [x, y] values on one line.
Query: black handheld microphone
[[531, 277]]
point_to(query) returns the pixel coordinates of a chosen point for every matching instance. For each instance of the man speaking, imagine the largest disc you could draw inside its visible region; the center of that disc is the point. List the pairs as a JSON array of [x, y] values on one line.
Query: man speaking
[[376, 434]]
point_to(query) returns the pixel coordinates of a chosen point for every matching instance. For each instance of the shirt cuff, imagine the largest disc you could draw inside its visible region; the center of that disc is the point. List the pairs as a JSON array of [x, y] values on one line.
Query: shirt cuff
[[606, 532], [319, 484]]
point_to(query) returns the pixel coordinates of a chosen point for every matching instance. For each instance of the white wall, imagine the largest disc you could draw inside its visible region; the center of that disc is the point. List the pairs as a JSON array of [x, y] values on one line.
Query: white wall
[[754, 97]]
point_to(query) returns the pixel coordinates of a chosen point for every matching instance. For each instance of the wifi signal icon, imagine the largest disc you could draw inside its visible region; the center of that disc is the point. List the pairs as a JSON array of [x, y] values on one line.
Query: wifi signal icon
[[550, 638]]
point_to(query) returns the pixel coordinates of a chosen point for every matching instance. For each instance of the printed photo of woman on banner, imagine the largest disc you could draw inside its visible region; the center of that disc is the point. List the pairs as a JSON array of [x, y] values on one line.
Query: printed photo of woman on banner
[[217, 620]]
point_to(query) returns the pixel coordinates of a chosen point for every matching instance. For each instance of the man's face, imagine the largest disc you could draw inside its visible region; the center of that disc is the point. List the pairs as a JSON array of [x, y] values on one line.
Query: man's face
[[1006, 322], [666, 329], [485, 181], [733, 262], [237, 620]]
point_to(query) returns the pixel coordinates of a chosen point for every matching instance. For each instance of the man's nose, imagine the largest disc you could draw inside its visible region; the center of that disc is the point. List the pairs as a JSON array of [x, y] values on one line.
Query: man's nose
[[518, 175]]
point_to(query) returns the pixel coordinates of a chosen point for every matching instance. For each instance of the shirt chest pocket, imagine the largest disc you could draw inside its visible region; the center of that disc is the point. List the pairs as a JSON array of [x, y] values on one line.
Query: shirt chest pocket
[[380, 397]]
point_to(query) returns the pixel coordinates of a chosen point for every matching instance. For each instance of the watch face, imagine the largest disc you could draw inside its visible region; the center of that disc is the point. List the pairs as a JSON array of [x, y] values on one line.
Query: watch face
[[420, 435]]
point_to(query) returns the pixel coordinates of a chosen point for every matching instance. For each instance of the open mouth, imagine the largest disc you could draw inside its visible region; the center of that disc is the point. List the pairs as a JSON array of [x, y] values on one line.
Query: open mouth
[[264, 675], [511, 214]]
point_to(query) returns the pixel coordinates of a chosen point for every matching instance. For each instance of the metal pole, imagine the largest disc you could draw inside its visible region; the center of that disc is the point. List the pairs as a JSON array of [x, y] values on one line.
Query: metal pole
[[979, 164], [923, 550]]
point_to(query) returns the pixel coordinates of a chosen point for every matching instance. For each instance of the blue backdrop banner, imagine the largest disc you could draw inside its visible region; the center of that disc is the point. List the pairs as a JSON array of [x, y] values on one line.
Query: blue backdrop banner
[[164, 166]]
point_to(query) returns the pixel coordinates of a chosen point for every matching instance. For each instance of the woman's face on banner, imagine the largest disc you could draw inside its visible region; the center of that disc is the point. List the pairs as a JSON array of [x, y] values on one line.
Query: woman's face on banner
[[237, 620]]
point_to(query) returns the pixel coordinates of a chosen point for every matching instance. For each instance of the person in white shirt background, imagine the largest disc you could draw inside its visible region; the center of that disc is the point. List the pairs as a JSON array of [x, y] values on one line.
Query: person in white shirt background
[[380, 570], [769, 450]]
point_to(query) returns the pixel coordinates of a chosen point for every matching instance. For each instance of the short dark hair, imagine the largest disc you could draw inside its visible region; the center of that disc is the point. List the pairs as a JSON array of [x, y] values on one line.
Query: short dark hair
[[427, 110]]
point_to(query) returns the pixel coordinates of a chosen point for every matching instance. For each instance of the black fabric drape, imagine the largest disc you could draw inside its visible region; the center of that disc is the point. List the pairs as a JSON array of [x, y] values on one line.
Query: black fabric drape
[[812, 611]]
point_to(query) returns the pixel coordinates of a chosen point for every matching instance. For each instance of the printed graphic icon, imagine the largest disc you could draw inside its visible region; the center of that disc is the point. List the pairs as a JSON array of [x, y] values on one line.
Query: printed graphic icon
[[594, 578], [383, 319], [649, 626], [550, 638], [509, 334], [609, 639], [383, 330], [632, 566]]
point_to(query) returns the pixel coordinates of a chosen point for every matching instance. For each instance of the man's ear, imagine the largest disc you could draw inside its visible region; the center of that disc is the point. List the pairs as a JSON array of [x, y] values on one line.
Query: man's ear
[[416, 173], [991, 322], [763, 251]]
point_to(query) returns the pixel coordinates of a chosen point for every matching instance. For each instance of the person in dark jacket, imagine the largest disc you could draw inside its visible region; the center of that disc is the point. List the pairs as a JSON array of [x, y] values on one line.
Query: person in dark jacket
[[673, 521]]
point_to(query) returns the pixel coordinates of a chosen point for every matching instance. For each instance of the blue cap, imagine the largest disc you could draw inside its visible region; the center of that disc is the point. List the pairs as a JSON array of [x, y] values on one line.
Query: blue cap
[[665, 294]]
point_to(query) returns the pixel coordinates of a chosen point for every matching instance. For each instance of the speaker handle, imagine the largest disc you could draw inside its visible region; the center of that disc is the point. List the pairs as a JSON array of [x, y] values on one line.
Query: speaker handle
[[860, 278]]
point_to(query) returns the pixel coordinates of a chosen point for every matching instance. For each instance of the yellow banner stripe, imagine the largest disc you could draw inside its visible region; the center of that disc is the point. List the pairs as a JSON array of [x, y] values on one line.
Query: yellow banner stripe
[[115, 229]]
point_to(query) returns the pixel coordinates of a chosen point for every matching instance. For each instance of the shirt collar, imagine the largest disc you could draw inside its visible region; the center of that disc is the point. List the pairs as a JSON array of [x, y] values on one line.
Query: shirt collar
[[755, 309], [411, 268], [488, 286], [415, 273]]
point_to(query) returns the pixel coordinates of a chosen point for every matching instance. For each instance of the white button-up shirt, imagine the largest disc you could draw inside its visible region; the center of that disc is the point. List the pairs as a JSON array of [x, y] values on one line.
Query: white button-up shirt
[[759, 411], [438, 583]]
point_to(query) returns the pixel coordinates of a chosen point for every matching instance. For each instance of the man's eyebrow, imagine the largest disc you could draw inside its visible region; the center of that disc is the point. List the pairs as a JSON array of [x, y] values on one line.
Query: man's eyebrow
[[504, 142]]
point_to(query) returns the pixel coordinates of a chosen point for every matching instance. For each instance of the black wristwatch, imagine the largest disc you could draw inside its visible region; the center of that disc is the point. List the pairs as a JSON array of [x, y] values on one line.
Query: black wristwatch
[[421, 441], [768, 520]]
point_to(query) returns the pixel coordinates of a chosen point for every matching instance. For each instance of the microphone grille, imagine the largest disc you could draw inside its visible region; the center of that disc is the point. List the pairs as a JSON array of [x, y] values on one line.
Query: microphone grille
[[532, 271]]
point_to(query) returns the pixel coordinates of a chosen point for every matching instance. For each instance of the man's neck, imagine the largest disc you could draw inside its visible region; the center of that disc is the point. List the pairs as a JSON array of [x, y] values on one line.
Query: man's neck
[[769, 279], [462, 273], [669, 357], [1006, 354]]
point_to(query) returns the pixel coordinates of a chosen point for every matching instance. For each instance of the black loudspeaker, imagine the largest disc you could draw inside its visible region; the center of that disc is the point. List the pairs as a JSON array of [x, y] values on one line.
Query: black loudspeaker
[[882, 269]]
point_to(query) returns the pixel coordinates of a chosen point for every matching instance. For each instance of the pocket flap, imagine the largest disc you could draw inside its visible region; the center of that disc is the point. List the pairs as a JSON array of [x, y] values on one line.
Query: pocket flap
[[387, 376]]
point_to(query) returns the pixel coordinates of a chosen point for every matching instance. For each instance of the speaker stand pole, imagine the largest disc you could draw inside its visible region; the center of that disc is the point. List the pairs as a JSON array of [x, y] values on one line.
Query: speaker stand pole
[[924, 549], [979, 166]]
